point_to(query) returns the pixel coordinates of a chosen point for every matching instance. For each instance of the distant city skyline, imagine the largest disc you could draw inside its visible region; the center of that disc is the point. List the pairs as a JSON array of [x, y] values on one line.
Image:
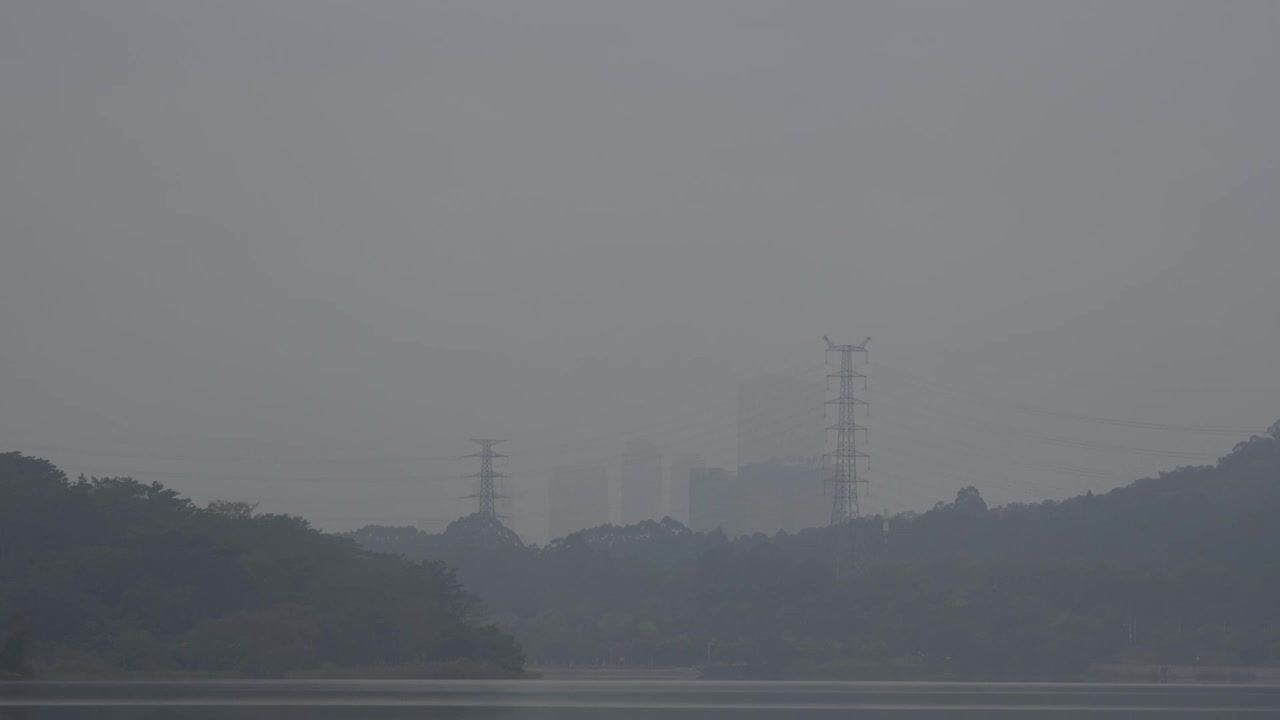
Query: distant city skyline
[[300, 262]]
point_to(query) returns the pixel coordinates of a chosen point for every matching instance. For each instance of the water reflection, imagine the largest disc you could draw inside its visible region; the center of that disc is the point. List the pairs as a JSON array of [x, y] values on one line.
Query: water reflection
[[619, 700]]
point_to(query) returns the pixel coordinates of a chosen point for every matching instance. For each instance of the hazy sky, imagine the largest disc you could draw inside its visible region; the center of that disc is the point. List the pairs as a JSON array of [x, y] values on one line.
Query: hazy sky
[[298, 252]]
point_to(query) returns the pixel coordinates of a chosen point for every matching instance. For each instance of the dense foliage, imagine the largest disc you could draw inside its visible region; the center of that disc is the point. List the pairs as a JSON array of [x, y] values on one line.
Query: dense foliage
[[116, 575], [1183, 568]]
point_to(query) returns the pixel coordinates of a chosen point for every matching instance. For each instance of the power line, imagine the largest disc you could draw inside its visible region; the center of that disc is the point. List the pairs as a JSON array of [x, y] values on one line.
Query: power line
[[266, 478], [1008, 431], [242, 459], [659, 427], [987, 399]]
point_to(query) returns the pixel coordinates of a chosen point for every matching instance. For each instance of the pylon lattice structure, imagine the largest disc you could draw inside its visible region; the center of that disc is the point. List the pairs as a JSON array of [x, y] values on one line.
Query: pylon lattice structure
[[486, 494], [844, 459]]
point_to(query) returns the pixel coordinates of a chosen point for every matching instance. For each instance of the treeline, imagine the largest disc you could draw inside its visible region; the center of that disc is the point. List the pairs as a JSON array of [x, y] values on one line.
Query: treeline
[[112, 575], [1179, 569]]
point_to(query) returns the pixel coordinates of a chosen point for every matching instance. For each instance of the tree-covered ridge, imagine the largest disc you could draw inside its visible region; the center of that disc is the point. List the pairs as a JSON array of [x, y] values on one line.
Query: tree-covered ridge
[[1183, 568], [116, 575]]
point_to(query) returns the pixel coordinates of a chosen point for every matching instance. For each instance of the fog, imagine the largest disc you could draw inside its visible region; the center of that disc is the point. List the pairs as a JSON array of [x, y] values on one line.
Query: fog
[[298, 253]]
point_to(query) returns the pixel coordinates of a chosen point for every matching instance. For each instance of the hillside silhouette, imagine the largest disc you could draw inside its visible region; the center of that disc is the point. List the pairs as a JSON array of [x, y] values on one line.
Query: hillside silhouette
[[112, 575], [109, 575], [1183, 568]]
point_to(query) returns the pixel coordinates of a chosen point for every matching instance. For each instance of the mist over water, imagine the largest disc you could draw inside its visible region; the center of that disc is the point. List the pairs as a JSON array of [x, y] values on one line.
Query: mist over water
[[622, 360], [631, 700]]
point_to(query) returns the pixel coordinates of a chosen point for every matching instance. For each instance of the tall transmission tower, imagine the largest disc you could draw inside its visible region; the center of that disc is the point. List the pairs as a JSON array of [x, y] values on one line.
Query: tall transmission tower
[[844, 460], [486, 495]]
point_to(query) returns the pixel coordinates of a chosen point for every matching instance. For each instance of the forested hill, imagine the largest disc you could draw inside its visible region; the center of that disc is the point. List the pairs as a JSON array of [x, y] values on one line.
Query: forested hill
[[1183, 568], [113, 575], [1224, 515]]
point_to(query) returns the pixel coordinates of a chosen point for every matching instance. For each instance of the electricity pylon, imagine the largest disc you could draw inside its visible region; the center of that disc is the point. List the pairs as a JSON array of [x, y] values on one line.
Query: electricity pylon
[[844, 460], [486, 495]]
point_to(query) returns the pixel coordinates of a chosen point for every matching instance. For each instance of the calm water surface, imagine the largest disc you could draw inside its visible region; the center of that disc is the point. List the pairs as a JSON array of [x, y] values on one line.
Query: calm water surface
[[618, 700]]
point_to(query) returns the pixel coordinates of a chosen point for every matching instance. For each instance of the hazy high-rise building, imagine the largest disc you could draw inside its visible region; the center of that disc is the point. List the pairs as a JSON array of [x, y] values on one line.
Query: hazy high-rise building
[[640, 483], [578, 498], [775, 496], [781, 419], [759, 498], [678, 486], [781, 439], [713, 500]]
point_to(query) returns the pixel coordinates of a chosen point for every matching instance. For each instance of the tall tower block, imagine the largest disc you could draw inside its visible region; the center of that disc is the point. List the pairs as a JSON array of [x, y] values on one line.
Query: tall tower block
[[640, 482], [579, 498]]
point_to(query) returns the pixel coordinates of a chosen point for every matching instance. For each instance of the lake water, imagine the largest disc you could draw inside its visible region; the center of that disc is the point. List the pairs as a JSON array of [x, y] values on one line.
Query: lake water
[[619, 700]]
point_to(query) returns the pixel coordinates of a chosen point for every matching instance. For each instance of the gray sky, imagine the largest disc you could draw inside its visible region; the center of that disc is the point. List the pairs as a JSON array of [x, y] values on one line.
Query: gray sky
[[299, 252]]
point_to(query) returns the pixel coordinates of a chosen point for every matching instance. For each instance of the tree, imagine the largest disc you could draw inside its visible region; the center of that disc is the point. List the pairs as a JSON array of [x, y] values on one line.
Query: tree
[[132, 576]]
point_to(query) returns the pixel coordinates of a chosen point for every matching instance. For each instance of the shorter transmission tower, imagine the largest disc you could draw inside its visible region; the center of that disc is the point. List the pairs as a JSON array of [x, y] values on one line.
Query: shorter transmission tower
[[844, 460], [486, 495]]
